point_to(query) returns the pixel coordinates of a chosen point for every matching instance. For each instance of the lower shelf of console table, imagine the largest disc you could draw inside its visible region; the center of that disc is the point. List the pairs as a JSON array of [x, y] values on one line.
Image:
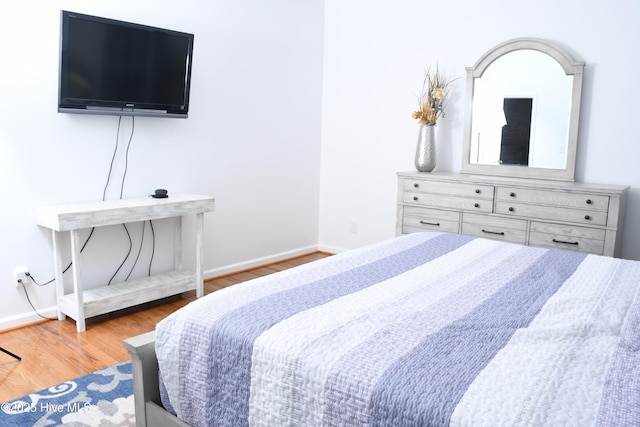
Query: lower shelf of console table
[[85, 303], [106, 299]]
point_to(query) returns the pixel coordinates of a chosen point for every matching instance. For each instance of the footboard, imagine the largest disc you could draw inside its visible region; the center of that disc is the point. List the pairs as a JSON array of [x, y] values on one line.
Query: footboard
[[146, 389]]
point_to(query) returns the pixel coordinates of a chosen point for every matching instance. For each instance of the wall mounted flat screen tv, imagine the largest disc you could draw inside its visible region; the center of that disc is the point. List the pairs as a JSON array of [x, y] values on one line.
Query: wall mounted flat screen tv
[[121, 68]]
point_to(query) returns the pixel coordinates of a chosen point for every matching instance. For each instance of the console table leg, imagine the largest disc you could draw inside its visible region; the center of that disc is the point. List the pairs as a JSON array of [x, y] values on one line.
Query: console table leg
[[76, 245], [199, 253], [57, 262], [177, 233]]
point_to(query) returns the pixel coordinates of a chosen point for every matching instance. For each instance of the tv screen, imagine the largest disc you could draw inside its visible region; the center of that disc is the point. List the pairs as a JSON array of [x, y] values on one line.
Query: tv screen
[[116, 67]]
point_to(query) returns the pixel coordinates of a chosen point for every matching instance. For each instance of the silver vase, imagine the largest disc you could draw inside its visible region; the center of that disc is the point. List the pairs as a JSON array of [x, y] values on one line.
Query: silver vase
[[425, 160]]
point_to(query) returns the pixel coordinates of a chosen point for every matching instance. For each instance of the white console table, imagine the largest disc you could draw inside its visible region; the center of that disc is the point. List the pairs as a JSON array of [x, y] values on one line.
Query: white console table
[[82, 304]]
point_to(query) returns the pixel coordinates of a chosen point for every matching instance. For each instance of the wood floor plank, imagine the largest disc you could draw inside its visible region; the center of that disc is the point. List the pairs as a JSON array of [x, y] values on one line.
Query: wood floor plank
[[53, 352]]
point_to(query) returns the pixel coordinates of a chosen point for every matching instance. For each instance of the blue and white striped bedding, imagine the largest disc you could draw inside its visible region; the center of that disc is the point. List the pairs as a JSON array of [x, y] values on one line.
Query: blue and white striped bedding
[[423, 329]]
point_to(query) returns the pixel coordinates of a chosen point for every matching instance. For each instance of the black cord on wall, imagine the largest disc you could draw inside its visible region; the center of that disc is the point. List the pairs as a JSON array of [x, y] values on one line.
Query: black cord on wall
[[104, 192], [31, 304]]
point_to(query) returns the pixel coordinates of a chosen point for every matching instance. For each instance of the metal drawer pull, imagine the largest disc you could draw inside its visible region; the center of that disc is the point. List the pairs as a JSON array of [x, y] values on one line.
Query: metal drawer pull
[[587, 217], [416, 185], [512, 194], [589, 201], [566, 243], [415, 198], [476, 205], [511, 209], [430, 223], [499, 233], [477, 191]]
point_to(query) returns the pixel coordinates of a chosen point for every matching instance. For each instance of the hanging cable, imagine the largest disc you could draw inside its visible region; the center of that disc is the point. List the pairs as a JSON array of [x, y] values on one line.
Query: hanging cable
[[126, 157], [144, 225], [153, 245], [124, 176], [104, 195], [33, 307], [125, 258], [66, 268], [104, 192], [113, 158]]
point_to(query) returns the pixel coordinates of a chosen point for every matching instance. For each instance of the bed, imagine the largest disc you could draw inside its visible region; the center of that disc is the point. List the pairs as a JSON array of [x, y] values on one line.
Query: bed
[[423, 329]]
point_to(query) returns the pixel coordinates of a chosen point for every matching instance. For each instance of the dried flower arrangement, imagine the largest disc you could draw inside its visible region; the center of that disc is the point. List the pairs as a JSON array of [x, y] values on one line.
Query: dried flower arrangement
[[432, 97]]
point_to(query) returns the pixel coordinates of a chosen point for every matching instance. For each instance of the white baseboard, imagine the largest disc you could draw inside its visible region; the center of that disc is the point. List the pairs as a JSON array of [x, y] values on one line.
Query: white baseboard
[[27, 318], [257, 262], [331, 249]]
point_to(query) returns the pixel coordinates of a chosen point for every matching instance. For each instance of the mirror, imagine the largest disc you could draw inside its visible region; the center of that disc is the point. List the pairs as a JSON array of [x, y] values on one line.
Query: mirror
[[522, 111]]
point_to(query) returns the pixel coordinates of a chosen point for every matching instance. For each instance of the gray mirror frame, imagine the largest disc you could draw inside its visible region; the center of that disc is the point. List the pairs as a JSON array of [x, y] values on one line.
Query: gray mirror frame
[[571, 68]]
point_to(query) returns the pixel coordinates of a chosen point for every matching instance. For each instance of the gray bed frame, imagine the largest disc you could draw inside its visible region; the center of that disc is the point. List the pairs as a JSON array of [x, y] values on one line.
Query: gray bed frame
[[146, 390]]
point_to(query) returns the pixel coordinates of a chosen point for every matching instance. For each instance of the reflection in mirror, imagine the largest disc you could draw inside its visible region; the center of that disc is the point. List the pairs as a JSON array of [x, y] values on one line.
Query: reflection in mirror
[[515, 142], [522, 112], [508, 127]]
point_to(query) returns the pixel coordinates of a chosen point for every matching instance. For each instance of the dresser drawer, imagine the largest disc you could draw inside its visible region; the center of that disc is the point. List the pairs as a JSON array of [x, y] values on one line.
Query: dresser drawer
[[416, 219], [476, 191], [553, 198], [577, 216], [492, 227], [451, 202], [581, 239]]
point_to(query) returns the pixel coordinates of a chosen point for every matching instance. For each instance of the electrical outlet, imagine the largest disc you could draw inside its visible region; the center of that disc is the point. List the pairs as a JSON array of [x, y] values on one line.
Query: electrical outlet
[[354, 227], [20, 275]]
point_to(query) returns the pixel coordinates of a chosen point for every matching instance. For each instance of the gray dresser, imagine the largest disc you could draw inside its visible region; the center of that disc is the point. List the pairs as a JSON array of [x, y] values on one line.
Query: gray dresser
[[554, 214]]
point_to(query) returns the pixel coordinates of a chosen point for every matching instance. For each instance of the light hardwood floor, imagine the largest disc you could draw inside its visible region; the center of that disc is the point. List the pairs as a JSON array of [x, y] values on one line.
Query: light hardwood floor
[[53, 352]]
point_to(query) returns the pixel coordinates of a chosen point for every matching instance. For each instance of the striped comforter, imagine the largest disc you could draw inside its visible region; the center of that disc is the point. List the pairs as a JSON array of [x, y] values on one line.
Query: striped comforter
[[424, 329]]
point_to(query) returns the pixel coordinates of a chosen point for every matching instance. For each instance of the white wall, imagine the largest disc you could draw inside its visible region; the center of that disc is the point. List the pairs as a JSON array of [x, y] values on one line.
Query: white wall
[[252, 139], [272, 80], [375, 54]]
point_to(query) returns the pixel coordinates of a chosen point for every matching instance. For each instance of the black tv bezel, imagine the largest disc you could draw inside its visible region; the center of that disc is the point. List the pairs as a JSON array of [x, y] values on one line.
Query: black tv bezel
[[129, 108]]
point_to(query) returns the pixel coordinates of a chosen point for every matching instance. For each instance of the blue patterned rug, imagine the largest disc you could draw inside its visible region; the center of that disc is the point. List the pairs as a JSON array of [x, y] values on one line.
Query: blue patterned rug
[[103, 398]]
